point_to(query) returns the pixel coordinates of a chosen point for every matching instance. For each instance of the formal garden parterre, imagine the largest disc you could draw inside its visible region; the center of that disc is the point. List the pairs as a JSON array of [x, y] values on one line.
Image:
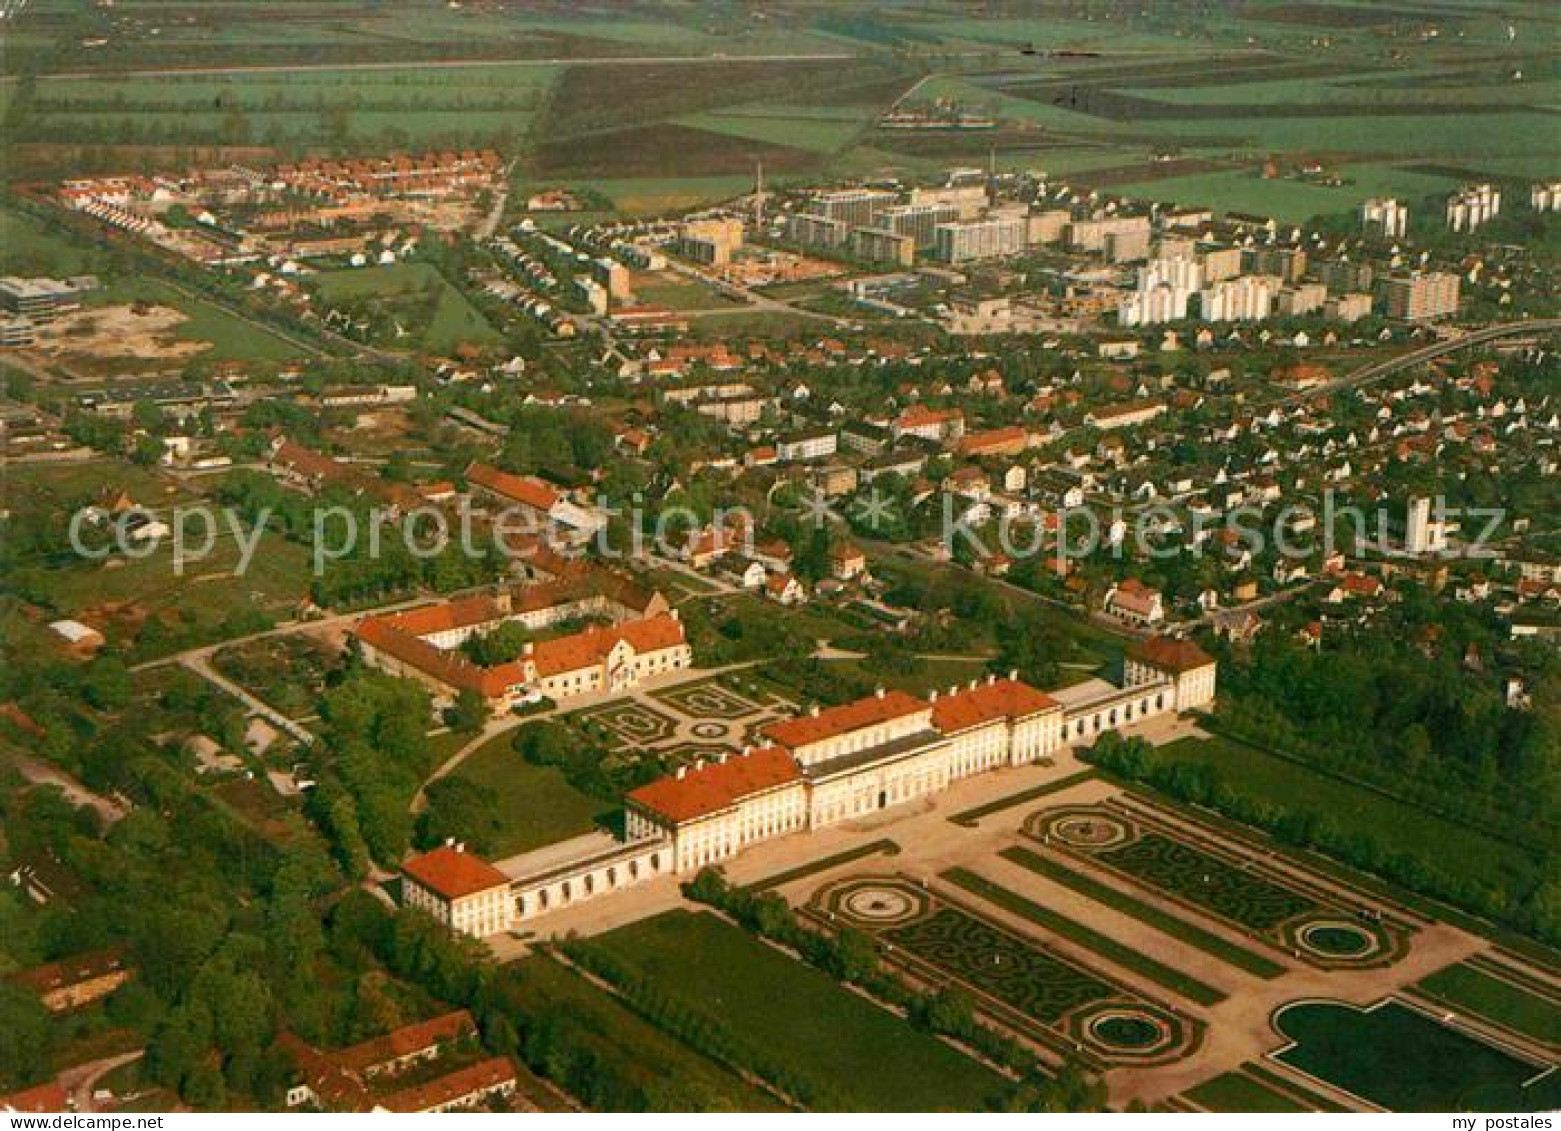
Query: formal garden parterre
[[1021, 981], [1195, 870]]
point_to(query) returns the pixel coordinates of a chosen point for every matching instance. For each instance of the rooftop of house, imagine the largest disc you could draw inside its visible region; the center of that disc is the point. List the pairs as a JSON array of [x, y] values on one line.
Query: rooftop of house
[[710, 787], [453, 873], [1170, 653], [831, 722]]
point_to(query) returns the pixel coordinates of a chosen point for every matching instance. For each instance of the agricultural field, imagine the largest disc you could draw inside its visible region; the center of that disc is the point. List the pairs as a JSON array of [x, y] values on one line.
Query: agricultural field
[[155, 33], [857, 1051], [378, 109]]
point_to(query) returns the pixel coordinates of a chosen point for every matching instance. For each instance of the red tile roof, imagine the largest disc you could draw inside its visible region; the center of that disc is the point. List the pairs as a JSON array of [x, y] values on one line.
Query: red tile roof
[[71, 971], [452, 873], [986, 702], [919, 416], [717, 785], [453, 1087], [48, 1097], [380, 1052], [1170, 654], [461, 612], [522, 489], [1012, 438], [807, 729], [583, 649]]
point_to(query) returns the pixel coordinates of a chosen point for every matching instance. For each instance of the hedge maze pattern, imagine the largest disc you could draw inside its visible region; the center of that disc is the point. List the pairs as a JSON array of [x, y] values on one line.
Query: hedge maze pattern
[[997, 963], [1208, 881]]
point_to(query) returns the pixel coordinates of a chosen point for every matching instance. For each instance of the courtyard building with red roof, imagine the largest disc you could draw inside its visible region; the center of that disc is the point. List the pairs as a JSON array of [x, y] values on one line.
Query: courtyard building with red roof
[[645, 639]]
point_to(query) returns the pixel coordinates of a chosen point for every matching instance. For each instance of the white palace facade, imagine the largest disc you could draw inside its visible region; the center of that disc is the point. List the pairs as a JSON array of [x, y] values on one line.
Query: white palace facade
[[842, 763]]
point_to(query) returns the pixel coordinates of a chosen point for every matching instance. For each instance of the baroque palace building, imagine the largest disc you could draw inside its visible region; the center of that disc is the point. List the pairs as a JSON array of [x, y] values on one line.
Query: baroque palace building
[[643, 638], [815, 770]]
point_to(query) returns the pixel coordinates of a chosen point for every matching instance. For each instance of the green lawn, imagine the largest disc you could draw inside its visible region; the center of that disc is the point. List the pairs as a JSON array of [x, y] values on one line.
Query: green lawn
[[1400, 1059], [188, 609], [670, 1075], [27, 248], [536, 804], [451, 321], [1472, 989], [1151, 916], [678, 293], [1087, 937], [849, 1047], [1235, 1092], [1459, 850]]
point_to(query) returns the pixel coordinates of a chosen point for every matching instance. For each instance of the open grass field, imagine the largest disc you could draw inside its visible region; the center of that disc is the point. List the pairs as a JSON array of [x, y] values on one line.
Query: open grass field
[[859, 1052], [1460, 850], [26, 248], [1470, 988], [41, 487], [677, 292], [127, 597], [415, 297], [1400, 1059], [535, 804], [670, 1073], [1245, 190]]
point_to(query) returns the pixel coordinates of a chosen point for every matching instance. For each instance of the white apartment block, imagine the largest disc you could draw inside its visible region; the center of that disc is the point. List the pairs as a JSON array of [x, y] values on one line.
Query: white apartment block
[[1307, 298], [1386, 216], [1153, 304], [1545, 197], [807, 446], [965, 240], [1472, 206], [1350, 307], [1221, 263], [1090, 235], [1248, 298]]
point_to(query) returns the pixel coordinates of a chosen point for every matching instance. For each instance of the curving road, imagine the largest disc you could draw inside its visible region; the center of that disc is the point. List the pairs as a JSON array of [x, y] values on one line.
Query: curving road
[[1377, 370]]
